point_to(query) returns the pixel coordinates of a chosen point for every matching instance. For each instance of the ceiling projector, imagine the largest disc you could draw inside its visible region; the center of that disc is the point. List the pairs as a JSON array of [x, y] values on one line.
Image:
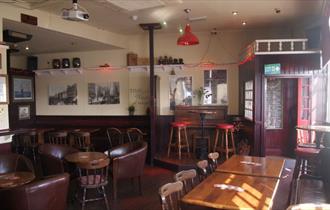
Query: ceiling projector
[[76, 13]]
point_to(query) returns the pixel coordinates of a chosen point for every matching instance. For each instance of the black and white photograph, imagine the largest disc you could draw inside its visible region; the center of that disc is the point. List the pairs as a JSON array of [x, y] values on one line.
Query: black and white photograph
[[63, 94], [180, 90], [24, 112], [3, 89], [104, 93], [22, 88]]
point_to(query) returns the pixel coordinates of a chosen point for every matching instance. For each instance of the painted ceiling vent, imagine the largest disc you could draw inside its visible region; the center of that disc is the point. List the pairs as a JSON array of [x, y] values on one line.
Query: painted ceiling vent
[[15, 36]]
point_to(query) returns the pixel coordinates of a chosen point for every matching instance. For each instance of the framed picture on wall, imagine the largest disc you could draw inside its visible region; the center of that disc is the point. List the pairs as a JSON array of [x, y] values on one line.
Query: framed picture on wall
[[24, 112], [23, 89], [3, 89]]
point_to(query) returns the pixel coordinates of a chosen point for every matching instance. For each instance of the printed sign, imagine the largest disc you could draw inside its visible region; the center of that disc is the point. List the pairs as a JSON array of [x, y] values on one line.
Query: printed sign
[[272, 69]]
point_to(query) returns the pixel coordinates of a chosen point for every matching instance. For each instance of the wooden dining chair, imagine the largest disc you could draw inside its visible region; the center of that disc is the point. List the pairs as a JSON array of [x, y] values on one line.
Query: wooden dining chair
[[213, 157], [93, 175], [188, 178], [58, 137], [135, 134], [30, 144], [82, 141], [170, 195], [202, 169], [115, 137]]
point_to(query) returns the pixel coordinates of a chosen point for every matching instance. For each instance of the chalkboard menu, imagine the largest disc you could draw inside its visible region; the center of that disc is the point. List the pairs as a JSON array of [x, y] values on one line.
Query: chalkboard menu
[[248, 100], [274, 104]]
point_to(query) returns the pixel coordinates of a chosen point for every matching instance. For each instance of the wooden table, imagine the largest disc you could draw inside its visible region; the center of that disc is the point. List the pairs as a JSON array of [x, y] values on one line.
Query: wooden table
[[258, 192], [254, 166], [15, 179], [323, 129], [80, 157]]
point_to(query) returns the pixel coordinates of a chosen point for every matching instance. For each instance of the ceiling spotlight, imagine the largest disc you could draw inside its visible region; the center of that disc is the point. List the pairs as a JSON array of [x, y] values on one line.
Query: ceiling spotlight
[[180, 30], [164, 23], [134, 17], [235, 13], [244, 23], [277, 10], [27, 48]]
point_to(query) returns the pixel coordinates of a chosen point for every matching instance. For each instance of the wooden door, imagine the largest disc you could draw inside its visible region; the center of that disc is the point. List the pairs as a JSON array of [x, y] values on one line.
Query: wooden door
[[280, 116]]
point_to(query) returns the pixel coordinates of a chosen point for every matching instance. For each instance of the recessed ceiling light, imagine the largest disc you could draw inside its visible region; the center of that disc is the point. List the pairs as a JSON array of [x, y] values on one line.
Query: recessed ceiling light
[[164, 23], [244, 23], [180, 30], [235, 13], [27, 48]]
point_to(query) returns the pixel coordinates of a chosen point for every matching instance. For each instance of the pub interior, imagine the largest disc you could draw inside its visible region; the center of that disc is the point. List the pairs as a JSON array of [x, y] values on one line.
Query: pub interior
[[164, 104]]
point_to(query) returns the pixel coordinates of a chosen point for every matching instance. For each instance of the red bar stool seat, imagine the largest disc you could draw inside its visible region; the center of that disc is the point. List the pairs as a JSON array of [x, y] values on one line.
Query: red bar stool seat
[[180, 142], [225, 129], [306, 158]]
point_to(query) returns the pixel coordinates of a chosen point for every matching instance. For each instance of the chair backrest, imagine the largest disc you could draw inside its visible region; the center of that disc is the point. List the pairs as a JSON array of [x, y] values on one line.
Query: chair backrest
[[135, 134], [94, 173], [202, 169], [188, 178], [58, 137], [52, 158], [14, 162], [213, 157], [128, 160], [29, 139], [81, 140], [50, 194], [115, 137], [170, 195]]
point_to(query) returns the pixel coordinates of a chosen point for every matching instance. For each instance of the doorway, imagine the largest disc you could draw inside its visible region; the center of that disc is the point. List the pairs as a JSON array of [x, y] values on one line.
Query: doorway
[[287, 104]]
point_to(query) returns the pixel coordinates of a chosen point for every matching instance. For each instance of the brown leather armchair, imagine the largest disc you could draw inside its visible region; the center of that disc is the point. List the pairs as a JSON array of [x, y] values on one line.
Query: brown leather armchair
[[127, 161], [50, 194], [52, 158], [14, 162]]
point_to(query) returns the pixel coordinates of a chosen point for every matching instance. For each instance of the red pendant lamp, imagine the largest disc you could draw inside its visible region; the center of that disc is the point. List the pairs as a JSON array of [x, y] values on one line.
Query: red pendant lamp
[[187, 37]]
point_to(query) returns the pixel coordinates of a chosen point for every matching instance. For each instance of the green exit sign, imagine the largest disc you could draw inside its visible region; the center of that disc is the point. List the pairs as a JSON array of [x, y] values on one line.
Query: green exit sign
[[272, 69]]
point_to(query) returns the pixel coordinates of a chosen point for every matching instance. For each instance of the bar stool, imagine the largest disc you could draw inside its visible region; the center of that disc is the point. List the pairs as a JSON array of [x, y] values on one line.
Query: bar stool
[[225, 130], [307, 159], [179, 126]]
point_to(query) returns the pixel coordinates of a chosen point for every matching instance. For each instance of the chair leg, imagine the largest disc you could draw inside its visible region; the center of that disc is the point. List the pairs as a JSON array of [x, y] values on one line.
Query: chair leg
[[233, 141], [216, 140], [179, 142], [186, 139], [227, 152], [83, 200], [140, 186], [105, 198], [170, 143]]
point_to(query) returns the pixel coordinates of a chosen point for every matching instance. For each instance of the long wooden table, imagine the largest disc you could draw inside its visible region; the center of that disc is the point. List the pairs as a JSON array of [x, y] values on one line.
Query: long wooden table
[[255, 166], [258, 192]]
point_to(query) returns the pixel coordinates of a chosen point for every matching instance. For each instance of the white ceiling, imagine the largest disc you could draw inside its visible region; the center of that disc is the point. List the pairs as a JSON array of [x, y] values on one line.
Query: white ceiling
[[257, 13], [108, 16]]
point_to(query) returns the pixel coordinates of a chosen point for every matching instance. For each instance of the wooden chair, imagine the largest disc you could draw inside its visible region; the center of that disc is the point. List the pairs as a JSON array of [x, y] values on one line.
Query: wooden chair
[[115, 137], [203, 169], [135, 134], [93, 175], [58, 137], [170, 195], [30, 144], [213, 157], [82, 141], [187, 177]]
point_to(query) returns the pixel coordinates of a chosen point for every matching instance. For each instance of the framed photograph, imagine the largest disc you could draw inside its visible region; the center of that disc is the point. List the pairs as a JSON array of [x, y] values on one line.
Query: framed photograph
[[107, 93], [23, 89], [63, 94], [24, 112], [3, 89]]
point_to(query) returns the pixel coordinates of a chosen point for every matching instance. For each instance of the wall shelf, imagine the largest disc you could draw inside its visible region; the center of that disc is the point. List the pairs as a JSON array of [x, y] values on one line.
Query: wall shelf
[[157, 67], [58, 71]]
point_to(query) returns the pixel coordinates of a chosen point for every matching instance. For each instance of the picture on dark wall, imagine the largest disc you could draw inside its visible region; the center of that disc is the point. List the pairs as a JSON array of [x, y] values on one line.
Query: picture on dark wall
[[106, 93], [22, 88], [24, 112], [63, 94], [180, 90]]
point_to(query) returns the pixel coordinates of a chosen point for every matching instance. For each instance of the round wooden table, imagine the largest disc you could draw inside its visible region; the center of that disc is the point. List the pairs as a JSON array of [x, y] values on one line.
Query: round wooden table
[[80, 157], [15, 179]]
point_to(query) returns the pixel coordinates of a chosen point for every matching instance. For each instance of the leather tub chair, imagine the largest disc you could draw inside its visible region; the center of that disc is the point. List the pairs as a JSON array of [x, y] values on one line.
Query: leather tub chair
[[52, 158], [50, 193], [127, 161], [14, 162]]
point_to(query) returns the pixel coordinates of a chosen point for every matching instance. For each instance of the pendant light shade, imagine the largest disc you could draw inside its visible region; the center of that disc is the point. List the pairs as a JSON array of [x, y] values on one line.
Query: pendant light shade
[[187, 37]]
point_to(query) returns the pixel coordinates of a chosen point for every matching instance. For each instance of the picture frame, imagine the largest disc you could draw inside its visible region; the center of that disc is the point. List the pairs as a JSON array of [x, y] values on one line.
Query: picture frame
[[24, 112], [23, 89], [3, 89]]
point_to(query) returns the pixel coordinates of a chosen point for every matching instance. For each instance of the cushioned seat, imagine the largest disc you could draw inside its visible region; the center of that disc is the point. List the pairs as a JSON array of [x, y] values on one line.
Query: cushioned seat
[[225, 126]]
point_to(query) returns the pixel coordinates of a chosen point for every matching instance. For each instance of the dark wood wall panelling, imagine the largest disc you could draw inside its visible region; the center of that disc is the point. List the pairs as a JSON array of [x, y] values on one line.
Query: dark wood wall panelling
[[292, 66], [14, 121]]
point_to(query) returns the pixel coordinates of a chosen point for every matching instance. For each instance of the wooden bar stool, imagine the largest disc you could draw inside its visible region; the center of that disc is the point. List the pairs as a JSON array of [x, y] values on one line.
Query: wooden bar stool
[[307, 159], [225, 130], [179, 126]]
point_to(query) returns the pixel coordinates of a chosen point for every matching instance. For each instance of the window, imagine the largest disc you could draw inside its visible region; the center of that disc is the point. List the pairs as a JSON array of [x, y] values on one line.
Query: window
[[248, 100], [215, 82]]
